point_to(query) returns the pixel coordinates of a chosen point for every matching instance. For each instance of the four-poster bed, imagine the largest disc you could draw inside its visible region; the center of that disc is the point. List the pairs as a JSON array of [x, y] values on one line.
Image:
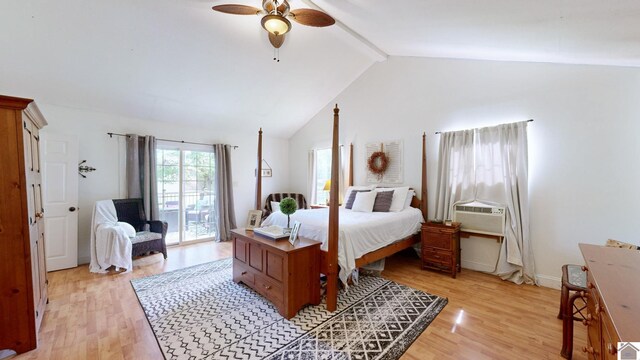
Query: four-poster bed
[[329, 258]]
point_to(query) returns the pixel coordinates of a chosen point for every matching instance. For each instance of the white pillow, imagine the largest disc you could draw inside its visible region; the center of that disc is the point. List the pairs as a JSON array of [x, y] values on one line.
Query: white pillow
[[128, 229], [275, 206], [350, 188], [407, 202], [399, 197], [364, 201]]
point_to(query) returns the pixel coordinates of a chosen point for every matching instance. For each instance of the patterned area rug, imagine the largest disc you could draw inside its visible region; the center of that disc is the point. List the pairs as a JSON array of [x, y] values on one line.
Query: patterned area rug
[[200, 313]]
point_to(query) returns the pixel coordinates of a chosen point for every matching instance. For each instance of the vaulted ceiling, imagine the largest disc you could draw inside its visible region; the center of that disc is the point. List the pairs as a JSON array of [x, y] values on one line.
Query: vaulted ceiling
[[178, 61]]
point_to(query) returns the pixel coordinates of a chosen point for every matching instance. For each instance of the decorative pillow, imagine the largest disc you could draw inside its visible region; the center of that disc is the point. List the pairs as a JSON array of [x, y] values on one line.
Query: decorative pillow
[[275, 206], [350, 189], [352, 197], [128, 229], [407, 201], [364, 201], [383, 201], [399, 197]]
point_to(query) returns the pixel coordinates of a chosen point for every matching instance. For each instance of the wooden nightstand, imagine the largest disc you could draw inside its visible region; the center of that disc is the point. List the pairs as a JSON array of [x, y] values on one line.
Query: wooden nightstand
[[318, 206], [441, 247], [286, 275]]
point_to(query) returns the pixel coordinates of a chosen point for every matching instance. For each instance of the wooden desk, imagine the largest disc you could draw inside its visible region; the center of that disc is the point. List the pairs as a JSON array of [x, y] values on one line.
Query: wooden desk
[[286, 275], [613, 299]]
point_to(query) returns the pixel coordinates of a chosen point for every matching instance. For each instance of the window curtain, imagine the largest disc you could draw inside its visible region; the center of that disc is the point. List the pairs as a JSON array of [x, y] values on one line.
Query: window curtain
[[495, 172], [311, 178], [224, 192], [455, 171], [141, 173], [502, 174], [343, 178]]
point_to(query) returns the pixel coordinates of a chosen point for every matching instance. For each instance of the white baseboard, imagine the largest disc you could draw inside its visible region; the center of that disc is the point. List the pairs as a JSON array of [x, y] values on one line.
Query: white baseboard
[[543, 280], [549, 281]]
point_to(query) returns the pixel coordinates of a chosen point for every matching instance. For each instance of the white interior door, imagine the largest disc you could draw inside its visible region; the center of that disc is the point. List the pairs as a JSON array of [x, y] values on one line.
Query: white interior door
[[60, 179]]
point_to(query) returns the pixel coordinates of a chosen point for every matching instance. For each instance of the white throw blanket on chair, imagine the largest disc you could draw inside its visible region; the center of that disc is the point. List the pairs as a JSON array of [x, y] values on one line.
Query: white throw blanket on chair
[[110, 245]]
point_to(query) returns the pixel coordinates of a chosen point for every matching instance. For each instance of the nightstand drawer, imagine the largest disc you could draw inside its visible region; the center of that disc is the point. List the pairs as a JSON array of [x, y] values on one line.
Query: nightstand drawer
[[435, 256], [437, 240], [269, 289], [241, 273], [435, 265], [448, 230]]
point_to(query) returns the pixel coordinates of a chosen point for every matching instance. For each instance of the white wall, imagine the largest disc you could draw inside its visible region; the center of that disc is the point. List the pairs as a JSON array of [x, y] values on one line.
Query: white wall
[[584, 156], [105, 154]]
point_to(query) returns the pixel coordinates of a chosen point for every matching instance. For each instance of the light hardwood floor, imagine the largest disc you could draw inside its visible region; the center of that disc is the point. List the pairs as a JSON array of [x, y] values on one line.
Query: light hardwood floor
[[93, 316]]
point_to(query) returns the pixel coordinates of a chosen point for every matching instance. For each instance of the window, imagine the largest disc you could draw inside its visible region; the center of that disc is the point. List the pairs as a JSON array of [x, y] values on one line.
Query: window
[[323, 174], [186, 194]]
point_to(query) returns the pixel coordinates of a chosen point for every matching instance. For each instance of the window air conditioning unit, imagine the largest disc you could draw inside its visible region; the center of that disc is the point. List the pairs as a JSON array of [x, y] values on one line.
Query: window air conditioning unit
[[479, 218]]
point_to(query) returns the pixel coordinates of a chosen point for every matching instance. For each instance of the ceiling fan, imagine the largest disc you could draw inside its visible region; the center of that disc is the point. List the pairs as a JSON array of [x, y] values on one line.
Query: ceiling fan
[[274, 17]]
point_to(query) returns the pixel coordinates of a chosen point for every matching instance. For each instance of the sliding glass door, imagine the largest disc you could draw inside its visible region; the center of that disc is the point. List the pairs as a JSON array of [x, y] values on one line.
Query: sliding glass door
[[185, 193]]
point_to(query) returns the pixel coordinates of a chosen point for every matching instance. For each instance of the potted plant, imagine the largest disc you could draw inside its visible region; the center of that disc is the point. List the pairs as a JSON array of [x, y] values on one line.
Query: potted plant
[[288, 206]]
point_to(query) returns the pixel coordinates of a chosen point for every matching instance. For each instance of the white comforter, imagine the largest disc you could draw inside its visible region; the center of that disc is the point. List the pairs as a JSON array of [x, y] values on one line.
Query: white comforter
[[359, 232]]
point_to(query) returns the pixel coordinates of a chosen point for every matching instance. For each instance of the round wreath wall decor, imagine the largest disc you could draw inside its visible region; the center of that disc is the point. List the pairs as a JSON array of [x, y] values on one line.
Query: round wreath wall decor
[[378, 163]]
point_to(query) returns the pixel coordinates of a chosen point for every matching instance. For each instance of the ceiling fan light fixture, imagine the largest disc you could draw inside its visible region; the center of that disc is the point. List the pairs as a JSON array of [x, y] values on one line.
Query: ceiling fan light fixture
[[276, 24]]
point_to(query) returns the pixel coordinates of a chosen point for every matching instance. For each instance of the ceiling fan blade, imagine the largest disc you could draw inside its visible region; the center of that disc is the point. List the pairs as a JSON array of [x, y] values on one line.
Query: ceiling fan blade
[[237, 9], [276, 40], [311, 17]]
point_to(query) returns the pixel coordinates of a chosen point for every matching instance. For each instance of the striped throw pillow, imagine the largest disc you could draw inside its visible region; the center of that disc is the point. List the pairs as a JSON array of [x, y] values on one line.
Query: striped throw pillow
[[383, 201]]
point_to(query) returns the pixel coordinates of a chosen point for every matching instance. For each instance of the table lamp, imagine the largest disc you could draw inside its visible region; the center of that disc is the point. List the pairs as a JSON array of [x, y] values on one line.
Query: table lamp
[[327, 188]]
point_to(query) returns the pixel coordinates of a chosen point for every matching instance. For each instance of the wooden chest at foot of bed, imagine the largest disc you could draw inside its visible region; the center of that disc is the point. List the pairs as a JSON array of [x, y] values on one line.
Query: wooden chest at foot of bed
[[286, 275], [441, 247]]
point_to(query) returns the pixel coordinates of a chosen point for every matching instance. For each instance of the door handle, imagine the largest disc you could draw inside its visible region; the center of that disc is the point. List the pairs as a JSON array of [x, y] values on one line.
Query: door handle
[[39, 215], [72, 209]]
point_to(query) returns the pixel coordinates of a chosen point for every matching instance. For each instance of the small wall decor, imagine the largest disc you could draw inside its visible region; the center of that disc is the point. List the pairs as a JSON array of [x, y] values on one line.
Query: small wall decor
[[384, 162], [266, 170], [84, 169], [378, 163]]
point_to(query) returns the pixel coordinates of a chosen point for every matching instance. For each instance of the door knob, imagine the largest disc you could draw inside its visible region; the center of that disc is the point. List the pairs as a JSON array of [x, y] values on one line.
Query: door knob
[[39, 215], [72, 209]]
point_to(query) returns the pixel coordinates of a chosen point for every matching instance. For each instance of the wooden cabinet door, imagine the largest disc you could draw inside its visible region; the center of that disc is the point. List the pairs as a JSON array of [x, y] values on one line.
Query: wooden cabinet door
[[275, 266], [240, 249], [255, 256], [36, 221]]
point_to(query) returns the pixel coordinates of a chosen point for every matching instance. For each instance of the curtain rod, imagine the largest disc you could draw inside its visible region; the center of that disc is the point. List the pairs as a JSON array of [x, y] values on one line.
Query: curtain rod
[[111, 135], [440, 132]]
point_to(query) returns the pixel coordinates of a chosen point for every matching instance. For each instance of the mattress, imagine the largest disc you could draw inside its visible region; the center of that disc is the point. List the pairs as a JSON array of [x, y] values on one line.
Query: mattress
[[359, 232]]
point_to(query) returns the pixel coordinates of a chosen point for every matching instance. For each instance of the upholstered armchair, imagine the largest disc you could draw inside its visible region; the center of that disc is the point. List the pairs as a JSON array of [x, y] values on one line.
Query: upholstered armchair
[[277, 197], [150, 235]]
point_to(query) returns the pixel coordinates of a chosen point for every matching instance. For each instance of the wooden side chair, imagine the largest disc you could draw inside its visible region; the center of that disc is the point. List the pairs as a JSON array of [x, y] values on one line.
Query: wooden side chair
[[574, 279]]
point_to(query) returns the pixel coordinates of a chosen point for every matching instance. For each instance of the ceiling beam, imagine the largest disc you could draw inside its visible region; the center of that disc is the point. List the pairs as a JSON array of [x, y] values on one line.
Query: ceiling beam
[[372, 49]]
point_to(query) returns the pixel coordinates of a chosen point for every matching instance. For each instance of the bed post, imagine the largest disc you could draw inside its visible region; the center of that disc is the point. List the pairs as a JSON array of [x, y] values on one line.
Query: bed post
[[332, 253], [350, 165], [424, 203], [259, 173]]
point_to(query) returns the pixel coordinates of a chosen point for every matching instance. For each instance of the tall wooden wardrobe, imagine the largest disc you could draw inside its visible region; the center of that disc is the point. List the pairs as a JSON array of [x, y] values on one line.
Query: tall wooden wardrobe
[[23, 275]]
